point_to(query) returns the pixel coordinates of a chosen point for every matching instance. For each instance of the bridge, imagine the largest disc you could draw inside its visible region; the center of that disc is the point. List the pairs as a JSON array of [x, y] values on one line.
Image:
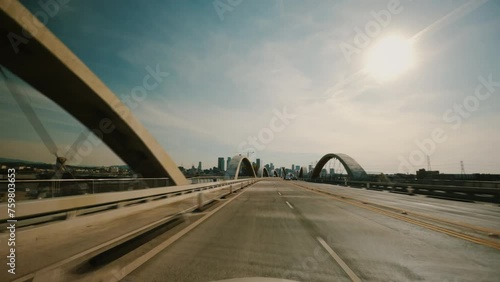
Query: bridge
[[164, 227]]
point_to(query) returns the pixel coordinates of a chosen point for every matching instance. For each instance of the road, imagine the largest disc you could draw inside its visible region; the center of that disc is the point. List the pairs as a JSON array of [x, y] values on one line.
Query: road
[[482, 214], [276, 229]]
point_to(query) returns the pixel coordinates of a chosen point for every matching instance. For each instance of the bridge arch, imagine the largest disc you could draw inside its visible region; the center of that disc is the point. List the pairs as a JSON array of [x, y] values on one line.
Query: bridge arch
[[283, 172], [275, 173], [75, 88], [235, 165], [301, 172], [265, 173], [353, 168]]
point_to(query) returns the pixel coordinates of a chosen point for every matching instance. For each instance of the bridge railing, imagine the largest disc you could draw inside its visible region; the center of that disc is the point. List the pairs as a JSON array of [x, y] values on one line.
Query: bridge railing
[[489, 193], [206, 179], [52, 188], [99, 201]]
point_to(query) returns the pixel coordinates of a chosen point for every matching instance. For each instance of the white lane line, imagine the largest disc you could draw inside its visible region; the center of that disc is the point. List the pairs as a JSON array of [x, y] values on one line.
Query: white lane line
[[279, 193], [289, 205], [336, 257]]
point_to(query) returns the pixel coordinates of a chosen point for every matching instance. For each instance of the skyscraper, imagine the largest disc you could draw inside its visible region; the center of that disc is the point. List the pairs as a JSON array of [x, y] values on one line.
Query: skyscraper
[[199, 166], [228, 161], [258, 163], [221, 164]]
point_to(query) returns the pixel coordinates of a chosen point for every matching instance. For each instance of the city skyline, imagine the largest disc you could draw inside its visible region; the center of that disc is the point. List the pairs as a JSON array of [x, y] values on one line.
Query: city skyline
[[220, 74]]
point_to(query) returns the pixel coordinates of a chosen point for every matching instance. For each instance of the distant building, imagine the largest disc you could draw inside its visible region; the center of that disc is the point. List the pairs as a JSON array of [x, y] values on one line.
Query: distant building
[[220, 164], [332, 171], [258, 164], [427, 174], [199, 167], [228, 161]]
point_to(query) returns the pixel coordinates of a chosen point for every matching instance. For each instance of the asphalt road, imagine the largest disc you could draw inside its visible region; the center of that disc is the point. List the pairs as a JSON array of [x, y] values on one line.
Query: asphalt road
[[274, 229], [479, 214]]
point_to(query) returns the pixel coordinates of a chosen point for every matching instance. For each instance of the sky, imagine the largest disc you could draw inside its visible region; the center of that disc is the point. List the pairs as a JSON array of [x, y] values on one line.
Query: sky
[[299, 78]]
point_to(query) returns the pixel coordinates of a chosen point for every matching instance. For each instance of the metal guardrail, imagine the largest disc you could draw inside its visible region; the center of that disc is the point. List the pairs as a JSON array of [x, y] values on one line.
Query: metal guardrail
[[51, 188], [206, 179], [32, 208], [487, 194]]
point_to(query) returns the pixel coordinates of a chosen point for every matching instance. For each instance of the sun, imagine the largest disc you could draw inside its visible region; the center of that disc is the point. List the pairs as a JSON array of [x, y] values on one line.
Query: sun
[[389, 58]]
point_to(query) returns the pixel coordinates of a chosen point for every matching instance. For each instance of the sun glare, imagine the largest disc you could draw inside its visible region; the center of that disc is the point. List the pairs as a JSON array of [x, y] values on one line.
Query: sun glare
[[389, 58]]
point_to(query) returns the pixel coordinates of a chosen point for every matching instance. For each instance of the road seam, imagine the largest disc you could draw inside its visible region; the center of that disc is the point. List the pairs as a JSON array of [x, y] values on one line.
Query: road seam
[[337, 258]]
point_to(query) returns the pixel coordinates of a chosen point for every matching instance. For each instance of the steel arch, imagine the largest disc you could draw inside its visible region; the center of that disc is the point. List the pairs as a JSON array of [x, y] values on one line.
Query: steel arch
[[265, 173], [235, 165], [49, 66], [353, 168]]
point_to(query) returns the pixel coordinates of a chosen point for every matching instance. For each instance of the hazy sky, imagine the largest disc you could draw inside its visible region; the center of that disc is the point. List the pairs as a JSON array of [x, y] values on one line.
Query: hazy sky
[[233, 65]]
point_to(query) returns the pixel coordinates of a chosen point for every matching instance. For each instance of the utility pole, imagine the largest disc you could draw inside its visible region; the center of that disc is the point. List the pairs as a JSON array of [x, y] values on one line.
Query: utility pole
[[462, 169]]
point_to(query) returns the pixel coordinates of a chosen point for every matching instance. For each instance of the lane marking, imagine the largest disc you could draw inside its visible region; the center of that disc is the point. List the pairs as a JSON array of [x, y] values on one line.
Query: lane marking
[[279, 193], [289, 205], [336, 257]]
